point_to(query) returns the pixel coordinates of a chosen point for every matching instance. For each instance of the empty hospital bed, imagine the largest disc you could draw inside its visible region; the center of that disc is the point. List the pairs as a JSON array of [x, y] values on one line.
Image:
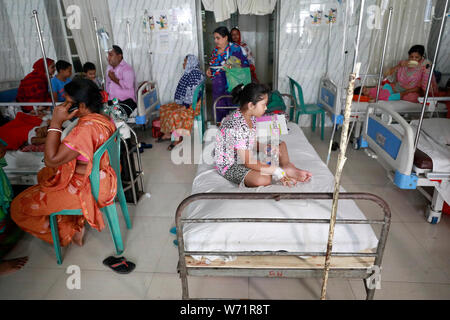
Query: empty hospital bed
[[329, 99], [408, 168], [224, 230]]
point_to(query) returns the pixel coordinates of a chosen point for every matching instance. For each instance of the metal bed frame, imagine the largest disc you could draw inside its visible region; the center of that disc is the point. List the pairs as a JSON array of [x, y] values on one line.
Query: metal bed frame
[[215, 107], [372, 260]]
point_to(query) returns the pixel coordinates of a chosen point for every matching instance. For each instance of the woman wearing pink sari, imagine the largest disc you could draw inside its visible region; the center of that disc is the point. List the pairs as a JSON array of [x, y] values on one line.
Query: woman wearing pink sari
[[64, 182], [411, 76]]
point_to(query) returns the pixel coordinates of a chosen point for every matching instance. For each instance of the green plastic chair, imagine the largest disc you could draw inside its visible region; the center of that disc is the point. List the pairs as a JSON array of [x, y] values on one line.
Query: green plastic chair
[[199, 119], [302, 108], [112, 146]]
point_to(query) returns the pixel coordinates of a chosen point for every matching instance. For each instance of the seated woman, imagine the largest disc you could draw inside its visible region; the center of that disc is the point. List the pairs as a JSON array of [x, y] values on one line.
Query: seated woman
[[34, 87], [179, 115], [64, 182], [236, 141], [411, 76]]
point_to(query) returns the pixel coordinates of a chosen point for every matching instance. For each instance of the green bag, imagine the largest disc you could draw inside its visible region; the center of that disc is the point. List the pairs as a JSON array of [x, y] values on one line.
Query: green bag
[[276, 102], [236, 76]]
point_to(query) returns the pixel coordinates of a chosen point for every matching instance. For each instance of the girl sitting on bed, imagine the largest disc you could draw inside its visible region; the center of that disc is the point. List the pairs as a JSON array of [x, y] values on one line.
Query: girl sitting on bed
[[236, 139]]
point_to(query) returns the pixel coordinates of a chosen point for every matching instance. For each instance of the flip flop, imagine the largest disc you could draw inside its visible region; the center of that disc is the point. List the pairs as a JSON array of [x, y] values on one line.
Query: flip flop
[[173, 230], [146, 145], [160, 139], [119, 265]]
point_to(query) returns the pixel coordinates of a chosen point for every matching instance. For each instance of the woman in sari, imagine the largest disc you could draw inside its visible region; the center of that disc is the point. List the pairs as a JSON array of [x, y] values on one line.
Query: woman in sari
[[222, 52], [34, 87], [64, 182], [10, 234], [411, 76], [236, 37], [178, 117]]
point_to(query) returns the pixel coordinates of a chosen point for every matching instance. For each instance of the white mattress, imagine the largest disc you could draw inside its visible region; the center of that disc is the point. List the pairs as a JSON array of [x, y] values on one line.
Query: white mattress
[[267, 236], [23, 167], [400, 106], [435, 142]]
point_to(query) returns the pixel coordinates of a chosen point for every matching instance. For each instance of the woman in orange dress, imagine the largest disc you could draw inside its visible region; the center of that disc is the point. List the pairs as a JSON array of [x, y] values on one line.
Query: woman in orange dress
[[64, 182]]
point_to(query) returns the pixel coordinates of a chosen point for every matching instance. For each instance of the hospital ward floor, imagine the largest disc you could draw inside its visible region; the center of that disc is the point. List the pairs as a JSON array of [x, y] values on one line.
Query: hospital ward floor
[[416, 262]]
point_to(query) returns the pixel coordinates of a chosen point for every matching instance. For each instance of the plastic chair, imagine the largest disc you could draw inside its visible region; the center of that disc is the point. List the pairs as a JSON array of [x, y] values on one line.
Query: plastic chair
[[112, 146], [302, 108], [198, 120]]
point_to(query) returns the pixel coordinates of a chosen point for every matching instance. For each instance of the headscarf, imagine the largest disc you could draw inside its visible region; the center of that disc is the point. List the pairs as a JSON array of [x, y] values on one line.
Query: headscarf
[[191, 78], [34, 87], [239, 33]]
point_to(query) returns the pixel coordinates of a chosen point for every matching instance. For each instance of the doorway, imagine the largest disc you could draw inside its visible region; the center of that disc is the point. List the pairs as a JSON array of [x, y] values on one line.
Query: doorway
[[259, 32]]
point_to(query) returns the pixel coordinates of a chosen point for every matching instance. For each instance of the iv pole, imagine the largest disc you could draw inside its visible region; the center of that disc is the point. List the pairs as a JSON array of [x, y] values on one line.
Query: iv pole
[[38, 27]]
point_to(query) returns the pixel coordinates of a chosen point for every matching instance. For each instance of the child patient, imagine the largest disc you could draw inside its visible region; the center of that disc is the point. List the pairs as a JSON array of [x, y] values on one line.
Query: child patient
[[236, 139], [387, 93]]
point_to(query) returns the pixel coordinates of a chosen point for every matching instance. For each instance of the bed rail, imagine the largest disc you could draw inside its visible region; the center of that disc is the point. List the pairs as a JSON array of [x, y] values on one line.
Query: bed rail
[[215, 107], [393, 147], [246, 271]]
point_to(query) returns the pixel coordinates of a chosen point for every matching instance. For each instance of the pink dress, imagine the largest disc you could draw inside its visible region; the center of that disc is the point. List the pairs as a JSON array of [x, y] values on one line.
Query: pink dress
[[415, 77]]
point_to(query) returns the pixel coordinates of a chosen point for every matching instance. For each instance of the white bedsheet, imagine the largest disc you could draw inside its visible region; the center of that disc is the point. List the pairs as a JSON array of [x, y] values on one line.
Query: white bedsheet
[[435, 142], [19, 161], [267, 236]]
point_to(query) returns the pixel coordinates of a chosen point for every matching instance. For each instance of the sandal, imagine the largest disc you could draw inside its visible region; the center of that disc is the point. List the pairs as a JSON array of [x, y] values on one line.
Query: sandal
[[174, 144], [160, 139], [119, 265]]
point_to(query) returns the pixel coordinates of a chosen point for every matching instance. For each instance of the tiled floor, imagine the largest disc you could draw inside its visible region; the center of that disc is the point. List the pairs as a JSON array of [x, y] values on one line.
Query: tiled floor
[[416, 263]]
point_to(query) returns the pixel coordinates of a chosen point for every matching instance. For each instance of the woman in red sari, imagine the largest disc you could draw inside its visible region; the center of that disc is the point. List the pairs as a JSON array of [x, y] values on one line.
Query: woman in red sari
[[34, 87], [64, 182]]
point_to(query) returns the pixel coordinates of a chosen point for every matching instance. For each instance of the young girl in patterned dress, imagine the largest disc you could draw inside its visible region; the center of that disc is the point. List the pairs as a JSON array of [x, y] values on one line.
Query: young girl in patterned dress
[[236, 139]]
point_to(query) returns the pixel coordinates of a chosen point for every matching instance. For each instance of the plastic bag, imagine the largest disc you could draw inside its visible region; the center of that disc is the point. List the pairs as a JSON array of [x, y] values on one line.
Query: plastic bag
[[236, 76]]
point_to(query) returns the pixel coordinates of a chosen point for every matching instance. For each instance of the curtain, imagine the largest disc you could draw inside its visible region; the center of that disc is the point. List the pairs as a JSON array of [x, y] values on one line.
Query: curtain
[[224, 8], [407, 29], [85, 39]]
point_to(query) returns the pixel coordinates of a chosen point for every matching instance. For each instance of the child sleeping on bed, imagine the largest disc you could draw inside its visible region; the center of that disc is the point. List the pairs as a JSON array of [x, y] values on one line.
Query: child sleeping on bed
[[236, 141], [386, 93]]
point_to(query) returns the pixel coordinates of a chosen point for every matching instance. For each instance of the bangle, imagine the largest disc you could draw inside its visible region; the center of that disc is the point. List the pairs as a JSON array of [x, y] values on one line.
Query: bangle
[[54, 129]]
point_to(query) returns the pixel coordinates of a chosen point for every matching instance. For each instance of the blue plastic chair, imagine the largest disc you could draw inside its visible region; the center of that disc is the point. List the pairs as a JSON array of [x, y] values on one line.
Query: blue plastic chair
[[199, 93], [302, 108], [112, 146]]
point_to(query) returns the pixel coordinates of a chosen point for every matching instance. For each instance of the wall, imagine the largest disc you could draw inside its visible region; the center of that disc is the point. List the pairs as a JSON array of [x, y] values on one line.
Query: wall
[[23, 28], [10, 62], [164, 65], [303, 46]]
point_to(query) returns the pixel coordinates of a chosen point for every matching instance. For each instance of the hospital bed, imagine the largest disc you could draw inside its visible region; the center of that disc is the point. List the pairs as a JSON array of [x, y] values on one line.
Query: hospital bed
[[329, 99], [275, 231], [147, 104], [391, 137]]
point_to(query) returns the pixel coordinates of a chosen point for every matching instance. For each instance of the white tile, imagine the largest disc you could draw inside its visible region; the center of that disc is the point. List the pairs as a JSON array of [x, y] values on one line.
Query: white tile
[[435, 238], [29, 283], [102, 285], [168, 287], [298, 289], [169, 258], [391, 290], [164, 200], [406, 260]]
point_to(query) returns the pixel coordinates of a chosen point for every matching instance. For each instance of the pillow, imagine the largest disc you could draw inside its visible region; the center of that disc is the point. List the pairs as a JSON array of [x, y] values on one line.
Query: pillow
[[360, 98], [15, 132]]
